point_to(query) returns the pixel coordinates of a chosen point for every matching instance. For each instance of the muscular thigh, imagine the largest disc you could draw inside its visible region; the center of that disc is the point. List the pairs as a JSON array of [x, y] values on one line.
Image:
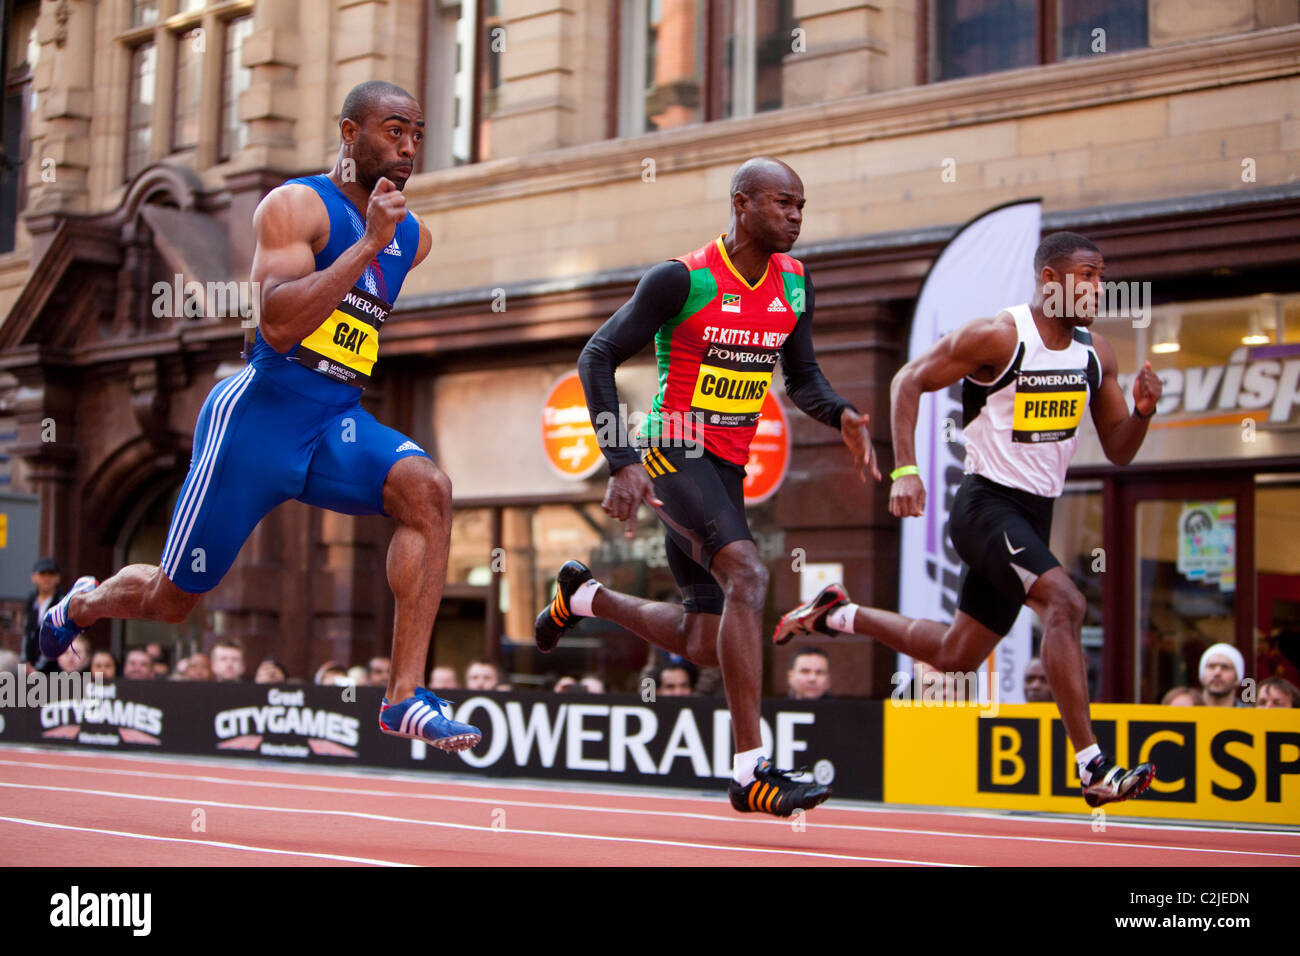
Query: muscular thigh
[[1001, 535], [252, 442], [703, 511], [351, 462]]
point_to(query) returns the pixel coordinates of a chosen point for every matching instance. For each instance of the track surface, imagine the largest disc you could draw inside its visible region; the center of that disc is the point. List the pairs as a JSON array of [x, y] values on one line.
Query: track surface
[[73, 808]]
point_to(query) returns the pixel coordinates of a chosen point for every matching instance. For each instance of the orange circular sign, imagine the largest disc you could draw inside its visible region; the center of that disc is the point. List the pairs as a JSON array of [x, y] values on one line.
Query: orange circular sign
[[769, 453], [567, 435]]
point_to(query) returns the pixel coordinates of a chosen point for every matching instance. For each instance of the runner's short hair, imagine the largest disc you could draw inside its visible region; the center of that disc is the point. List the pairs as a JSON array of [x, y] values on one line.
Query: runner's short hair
[[1058, 246], [364, 97]]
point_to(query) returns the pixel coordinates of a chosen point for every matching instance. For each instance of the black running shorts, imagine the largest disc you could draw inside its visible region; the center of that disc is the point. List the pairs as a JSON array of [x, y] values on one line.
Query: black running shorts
[[1001, 535], [703, 512]]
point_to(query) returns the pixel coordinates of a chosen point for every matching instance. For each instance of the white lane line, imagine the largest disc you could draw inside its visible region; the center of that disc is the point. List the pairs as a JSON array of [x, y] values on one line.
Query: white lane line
[[582, 808], [212, 843], [384, 818], [676, 814], [1027, 818]]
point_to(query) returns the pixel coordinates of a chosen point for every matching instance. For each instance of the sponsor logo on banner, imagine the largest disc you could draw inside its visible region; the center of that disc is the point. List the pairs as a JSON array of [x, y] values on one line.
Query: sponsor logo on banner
[[1235, 764], [617, 737], [101, 717], [677, 741], [285, 726], [568, 438], [1263, 381]]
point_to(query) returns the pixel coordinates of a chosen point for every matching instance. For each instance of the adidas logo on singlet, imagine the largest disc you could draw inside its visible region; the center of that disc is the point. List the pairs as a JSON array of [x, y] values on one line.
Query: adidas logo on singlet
[[393, 249], [408, 446], [777, 305]]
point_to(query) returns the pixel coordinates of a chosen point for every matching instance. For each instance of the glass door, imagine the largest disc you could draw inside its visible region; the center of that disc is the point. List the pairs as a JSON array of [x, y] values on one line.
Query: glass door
[[1187, 579]]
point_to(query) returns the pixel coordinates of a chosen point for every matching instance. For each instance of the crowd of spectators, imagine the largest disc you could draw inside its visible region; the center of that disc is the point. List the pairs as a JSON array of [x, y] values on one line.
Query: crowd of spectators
[[1221, 670], [808, 677]]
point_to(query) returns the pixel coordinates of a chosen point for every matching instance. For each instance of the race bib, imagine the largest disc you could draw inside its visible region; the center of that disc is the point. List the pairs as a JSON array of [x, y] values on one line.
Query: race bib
[[731, 384], [1049, 404], [346, 345]]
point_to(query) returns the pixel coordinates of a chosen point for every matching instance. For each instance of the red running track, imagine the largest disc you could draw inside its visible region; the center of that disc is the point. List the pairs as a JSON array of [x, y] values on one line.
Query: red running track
[[72, 808]]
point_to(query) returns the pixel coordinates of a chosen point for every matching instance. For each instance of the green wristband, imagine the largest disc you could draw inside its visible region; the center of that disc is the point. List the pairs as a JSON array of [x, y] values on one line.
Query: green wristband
[[902, 470]]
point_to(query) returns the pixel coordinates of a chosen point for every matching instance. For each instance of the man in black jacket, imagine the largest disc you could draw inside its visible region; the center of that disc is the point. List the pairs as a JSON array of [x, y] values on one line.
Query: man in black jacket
[[46, 578]]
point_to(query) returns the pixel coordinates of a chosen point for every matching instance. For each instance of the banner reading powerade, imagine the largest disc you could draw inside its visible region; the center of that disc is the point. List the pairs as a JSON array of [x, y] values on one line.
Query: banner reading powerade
[[678, 741], [987, 266], [1234, 764]]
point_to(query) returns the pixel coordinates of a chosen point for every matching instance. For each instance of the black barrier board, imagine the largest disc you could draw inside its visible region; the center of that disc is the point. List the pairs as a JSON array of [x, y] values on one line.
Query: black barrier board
[[677, 741]]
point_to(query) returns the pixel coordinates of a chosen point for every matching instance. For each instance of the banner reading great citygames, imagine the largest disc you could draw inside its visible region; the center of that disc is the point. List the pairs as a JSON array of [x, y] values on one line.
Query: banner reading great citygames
[[987, 266], [1239, 764]]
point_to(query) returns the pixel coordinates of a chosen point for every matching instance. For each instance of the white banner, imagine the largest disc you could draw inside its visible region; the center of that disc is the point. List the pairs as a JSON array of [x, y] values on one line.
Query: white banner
[[987, 266]]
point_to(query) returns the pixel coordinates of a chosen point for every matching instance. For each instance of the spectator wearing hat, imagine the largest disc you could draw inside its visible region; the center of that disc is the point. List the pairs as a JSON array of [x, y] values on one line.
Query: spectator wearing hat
[[1221, 670], [45, 577]]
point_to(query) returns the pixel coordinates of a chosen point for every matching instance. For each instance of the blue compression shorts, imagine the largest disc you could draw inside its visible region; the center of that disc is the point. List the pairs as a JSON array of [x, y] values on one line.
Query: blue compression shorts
[[258, 443]]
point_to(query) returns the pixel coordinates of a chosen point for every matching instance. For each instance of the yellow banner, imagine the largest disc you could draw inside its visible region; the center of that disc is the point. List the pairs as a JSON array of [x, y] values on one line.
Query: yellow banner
[[347, 340], [727, 390], [1233, 764]]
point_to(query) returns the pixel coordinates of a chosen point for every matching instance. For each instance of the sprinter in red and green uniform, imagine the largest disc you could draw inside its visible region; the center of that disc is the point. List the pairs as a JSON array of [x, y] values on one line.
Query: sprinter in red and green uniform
[[720, 317]]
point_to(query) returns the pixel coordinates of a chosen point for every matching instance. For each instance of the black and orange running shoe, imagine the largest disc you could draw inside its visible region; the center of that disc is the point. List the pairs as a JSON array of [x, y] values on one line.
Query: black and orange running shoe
[[558, 617], [810, 615], [772, 791], [1108, 783]]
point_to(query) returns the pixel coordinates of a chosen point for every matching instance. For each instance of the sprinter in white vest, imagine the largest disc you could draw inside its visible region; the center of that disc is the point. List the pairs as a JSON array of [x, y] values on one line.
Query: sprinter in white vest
[[1027, 376]]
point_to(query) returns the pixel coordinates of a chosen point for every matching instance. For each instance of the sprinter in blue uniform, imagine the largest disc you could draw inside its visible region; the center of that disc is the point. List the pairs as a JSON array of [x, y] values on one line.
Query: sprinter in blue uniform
[[332, 253]]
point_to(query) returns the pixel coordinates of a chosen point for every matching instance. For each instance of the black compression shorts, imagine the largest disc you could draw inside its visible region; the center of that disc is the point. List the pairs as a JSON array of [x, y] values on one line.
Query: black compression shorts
[[1001, 534], [703, 512]]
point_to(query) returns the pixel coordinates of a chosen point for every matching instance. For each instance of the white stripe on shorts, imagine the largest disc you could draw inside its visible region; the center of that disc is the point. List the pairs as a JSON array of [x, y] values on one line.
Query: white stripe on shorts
[[189, 509]]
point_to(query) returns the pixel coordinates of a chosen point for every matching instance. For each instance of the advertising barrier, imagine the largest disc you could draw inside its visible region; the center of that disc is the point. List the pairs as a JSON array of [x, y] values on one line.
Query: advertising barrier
[[1239, 765], [678, 741], [1235, 764]]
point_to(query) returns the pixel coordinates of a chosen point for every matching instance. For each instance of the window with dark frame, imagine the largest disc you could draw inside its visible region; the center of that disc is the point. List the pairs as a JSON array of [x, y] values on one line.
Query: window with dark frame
[[144, 13], [1088, 27], [202, 108], [694, 62], [190, 49], [235, 78], [19, 61], [139, 116], [975, 37], [462, 49]]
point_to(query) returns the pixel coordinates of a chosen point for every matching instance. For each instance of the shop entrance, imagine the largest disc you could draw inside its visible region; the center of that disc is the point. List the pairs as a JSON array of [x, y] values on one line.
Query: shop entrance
[[1184, 579]]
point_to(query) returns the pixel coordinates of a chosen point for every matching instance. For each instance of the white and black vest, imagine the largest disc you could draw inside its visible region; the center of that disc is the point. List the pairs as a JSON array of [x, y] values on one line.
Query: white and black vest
[[1021, 428]]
